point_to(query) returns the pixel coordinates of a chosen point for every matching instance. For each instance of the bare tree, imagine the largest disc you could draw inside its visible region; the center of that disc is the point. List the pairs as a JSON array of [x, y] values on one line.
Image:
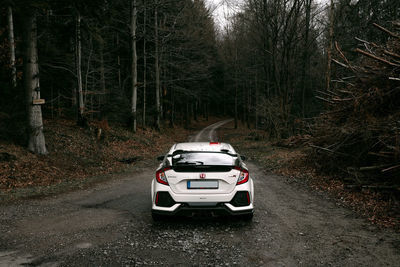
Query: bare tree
[[306, 60], [144, 63], [330, 46], [12, 47], [36, 141], [157, 68], [134, 63], [78, 59]]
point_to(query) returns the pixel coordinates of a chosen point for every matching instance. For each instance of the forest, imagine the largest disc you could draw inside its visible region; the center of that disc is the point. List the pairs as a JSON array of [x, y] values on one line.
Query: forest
[[326, 72]]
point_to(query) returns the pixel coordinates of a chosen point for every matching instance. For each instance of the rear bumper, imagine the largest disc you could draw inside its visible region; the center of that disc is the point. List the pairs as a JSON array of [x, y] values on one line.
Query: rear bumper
[[184, 209], [190, 204]]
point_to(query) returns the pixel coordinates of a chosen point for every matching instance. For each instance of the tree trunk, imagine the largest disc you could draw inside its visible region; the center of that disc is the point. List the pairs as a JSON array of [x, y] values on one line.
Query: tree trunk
[[119, 65], [102, 72], [12, 47], [195, 110], [256, 100], [36, 142], [157, 68], [248, 106], [172, 114], [236, 90], [306, 59], [78, 53], [330, 46], [144, 64], [187, 114], [134, 63]]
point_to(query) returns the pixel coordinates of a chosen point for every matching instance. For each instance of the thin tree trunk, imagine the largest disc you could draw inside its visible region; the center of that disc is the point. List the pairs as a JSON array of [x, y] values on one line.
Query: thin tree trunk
[[195, 110], [119, 65], [187, 114], [144, 63], [171, 118], [78, 51], [248, 106], [157, 68], [12, 47], [103, 97], [330, 46], [36, 142], [256, 101], [102, 71], [134, 64], [305, 56], [236, 90]]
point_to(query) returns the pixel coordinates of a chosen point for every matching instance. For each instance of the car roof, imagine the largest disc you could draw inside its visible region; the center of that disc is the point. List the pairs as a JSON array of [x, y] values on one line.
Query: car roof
[[203, 146]]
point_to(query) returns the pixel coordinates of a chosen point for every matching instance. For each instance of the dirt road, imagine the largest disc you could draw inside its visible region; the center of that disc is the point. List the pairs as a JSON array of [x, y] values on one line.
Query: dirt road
[[209, 133], [110, 224]]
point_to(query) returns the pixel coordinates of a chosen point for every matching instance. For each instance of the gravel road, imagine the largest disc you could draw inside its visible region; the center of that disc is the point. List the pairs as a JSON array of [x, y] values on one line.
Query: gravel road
[[110, 225], [209, 133]]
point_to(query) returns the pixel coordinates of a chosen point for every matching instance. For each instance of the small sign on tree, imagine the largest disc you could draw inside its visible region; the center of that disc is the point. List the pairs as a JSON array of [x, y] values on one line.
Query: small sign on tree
[[38, 101]]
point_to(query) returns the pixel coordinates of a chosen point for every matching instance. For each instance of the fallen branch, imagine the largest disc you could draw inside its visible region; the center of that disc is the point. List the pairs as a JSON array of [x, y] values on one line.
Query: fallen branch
[[344, 58], [340, 63], [372, 168], [376, 57], [386, 30], [329, 150], [391, 168], [323, 99], [391, 53]]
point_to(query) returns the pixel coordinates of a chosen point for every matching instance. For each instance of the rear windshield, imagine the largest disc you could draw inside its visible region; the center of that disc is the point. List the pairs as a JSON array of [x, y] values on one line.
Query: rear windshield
[[203, 158]]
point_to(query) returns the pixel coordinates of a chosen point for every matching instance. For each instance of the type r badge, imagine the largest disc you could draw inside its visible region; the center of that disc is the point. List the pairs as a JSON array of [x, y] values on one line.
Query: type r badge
[[202, 175]]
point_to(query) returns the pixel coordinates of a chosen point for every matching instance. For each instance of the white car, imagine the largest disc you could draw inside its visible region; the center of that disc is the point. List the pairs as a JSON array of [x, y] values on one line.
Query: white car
[[202, 178]]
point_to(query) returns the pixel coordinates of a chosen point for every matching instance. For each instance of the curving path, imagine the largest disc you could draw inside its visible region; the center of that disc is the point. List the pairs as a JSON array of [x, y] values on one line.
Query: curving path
[[208, 134]]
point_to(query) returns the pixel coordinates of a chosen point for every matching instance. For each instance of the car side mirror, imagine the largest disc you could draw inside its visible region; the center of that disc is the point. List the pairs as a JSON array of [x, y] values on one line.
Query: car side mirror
[[243, 158], [160, 158]]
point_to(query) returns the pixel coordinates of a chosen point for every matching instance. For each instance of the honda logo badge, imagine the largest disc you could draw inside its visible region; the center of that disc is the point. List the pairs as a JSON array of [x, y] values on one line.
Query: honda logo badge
[[202, 175]]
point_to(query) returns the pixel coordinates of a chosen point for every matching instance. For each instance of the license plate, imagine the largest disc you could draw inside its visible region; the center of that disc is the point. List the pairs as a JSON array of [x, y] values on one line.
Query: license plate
[[202, 184]]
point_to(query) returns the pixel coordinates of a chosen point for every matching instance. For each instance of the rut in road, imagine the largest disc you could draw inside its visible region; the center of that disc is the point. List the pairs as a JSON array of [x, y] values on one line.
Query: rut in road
[[208, 134]]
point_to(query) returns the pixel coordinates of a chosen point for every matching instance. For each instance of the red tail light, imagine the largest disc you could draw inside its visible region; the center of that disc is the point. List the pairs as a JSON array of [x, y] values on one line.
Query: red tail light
[[161, 177], [243, 176]]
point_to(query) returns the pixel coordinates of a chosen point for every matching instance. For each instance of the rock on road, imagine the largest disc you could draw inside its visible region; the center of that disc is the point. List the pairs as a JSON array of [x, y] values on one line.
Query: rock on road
[[110, 225]]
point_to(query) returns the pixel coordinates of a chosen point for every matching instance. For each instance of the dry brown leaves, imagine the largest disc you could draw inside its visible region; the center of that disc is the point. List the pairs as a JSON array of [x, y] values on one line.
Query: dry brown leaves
[[76, 153]]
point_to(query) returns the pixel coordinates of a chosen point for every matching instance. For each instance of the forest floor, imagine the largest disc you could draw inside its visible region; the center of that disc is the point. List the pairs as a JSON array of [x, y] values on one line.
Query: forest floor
[[291, 160], [78, 158]]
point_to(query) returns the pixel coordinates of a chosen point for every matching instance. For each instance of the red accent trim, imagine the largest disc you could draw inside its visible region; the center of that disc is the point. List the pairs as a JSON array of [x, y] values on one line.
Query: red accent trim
[[157, 199], [248, 198], [214, 143]]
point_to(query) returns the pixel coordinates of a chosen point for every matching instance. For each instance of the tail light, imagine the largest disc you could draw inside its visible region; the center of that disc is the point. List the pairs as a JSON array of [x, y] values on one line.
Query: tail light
[[161, 177], [243, 176]]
